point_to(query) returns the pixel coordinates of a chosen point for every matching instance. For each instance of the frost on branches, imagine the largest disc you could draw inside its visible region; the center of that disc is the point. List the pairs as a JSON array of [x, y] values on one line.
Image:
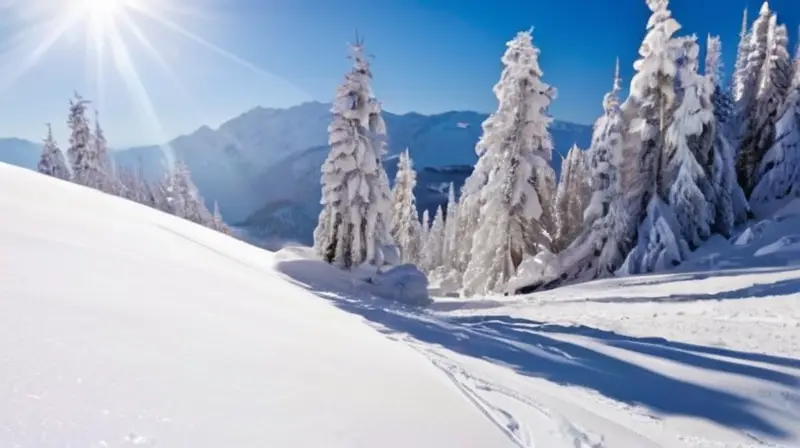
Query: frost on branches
[[87, 168], [405, 226], [780, 169], [354, 222], [52, 162], [572, 197], [515, 153], [217, 223]]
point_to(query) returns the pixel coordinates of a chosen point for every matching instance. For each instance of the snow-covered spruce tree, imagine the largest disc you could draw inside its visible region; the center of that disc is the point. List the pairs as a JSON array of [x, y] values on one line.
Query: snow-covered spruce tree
[[740, 73], [87, 168], [434, 243], [749, 106], [723, 173], [52, 162], [354, 223], [774, 85], [516, 149], [217, 223], [601, 247], [405, 225], [186, 201], [107, 181], [689, 149], [780, 169], [646, 179], [572, 197], [450, 248]]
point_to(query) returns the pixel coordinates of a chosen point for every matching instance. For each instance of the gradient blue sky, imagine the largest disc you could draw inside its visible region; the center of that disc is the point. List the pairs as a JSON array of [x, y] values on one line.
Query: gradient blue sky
[[430, 56]]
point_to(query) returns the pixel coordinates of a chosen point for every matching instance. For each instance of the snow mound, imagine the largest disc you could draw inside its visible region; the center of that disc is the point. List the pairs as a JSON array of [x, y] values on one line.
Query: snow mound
[[121, 325]]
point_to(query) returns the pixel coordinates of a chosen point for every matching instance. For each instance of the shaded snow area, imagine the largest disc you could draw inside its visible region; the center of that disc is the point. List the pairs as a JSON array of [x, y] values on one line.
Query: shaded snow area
[[123, 327]]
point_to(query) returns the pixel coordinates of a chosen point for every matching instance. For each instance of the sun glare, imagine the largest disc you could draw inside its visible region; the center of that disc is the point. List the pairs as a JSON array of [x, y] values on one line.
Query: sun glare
[[104, 10]]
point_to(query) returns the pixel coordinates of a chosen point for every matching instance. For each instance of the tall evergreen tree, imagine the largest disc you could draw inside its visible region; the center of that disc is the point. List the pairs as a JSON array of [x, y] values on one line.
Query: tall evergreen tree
[[405, 225], [750, 106], [434, 243], [572, 197], [86, 166], [217, 223], [779, 172], [730, 205], [689, 144], [740, 74], [649, 108], [450, 248], [186, 202], [52, 162], [107, 181], [601, 247], [517, 149], [354, 223]]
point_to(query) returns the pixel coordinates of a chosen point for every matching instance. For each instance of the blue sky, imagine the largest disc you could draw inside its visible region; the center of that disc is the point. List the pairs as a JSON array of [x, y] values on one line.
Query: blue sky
[[430, 56]]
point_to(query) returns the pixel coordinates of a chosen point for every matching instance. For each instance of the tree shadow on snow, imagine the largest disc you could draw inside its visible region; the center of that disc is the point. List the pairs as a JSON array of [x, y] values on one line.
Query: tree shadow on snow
[[662, 279], [526, 347], [758, 290]]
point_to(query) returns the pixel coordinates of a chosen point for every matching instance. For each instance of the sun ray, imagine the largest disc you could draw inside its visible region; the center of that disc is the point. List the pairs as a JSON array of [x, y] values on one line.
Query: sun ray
[[127, 69], [194, 37], [19, 69], [152, 51]]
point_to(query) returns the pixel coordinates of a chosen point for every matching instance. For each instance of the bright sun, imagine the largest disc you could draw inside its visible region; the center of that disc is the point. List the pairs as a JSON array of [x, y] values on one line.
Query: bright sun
[[105, 10]]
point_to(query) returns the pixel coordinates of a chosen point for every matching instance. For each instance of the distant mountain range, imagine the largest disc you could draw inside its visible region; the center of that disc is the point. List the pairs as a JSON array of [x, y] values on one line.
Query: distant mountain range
[[263, 166]]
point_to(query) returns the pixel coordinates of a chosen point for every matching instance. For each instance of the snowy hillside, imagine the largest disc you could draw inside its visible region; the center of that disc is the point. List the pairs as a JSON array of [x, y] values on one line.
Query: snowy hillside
[[122, 326]]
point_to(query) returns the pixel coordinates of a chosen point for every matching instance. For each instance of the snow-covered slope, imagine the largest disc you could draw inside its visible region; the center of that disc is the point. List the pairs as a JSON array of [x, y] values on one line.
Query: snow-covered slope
[[122, 326], [698, 358]]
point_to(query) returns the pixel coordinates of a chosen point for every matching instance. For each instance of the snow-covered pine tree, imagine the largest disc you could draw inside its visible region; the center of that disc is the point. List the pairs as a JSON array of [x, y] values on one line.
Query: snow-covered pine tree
[[86, 166], [602, 245], [186, 201], [646, 179], [434, 243], [740, 73], [774, 85], [517, 149], [405, 223], [749, 106], [780, 169], [217, 223], [52, 162], [354, 223], [450, 248], [689, 150], [572, 197], [723, 173], [107, 181]]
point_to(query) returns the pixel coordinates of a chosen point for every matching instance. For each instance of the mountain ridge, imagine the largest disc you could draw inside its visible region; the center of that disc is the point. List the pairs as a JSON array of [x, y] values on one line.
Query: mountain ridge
[[229, 163]]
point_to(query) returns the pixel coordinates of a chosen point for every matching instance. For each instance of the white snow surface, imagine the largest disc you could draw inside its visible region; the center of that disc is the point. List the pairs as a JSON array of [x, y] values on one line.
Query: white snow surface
[[122, 326]]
